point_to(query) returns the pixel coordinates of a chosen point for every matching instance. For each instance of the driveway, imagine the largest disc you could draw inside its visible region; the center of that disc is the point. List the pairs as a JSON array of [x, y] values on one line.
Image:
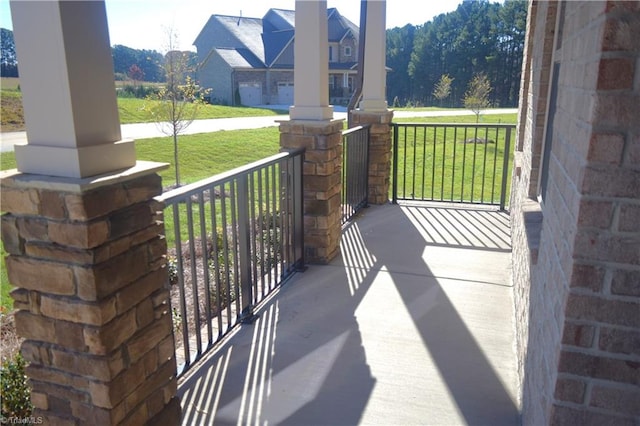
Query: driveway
[[151, 130]]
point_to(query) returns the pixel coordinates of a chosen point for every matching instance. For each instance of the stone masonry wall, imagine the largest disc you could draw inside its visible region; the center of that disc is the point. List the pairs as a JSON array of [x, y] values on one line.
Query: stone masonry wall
[[379, 152], [89, 272], [321, 183]]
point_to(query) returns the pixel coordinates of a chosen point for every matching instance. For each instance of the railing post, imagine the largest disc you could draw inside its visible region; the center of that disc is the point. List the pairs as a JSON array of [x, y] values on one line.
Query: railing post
[[244, 249], [505, 168], [394, 190], [298, 214]]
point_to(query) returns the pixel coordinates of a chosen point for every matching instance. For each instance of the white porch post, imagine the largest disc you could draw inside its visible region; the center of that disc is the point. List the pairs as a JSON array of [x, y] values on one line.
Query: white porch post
[[311, 62], [68, 94], [374, 84]]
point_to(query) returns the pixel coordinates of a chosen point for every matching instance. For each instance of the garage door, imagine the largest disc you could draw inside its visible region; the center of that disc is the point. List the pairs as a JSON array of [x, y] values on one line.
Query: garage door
[[285, 93], [250, 93]]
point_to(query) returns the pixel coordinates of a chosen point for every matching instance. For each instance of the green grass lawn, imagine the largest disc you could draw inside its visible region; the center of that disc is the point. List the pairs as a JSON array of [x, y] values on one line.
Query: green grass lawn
[[204, 155], [131, 110], [201, 156], [437, 164]]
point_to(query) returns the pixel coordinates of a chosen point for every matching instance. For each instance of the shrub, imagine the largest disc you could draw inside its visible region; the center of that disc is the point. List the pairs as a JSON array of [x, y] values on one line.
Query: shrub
[[16, 398]]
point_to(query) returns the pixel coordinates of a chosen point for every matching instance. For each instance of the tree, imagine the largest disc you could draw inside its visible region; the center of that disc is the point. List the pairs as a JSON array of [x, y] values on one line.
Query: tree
[[135, 74], [8, 60], [476, 98], [178, 101], [443, 88]]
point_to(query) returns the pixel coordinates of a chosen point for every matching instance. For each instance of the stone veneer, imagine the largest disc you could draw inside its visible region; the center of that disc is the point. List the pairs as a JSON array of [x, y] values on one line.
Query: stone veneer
[[577, 253], [379, 152], [321, 183], [87, 259]]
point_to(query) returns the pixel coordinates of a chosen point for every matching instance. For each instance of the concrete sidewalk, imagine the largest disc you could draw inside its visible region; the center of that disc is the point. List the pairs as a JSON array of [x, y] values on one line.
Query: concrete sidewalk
[[152, 130], [412, 325]]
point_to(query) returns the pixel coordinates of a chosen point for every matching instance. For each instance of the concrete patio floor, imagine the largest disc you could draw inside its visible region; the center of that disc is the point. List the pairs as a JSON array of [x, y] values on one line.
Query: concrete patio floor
[[412, 324]]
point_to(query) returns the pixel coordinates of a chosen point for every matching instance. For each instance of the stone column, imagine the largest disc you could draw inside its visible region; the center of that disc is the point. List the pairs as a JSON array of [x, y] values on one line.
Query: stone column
[[379, 151], [372, 110], [84, 234], [87, 261], [312, 127], [322, 183]]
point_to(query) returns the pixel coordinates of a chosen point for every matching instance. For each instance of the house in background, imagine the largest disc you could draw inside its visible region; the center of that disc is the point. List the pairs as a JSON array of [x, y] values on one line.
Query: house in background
[[249, 61]]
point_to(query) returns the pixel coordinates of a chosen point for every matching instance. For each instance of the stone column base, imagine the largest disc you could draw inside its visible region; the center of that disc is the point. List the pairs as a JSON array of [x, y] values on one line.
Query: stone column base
[[379, 152], [87, 258], [321, 183]]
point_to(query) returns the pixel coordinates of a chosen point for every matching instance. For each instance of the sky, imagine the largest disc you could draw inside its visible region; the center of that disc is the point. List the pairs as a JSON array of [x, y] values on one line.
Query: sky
[[141, 24]]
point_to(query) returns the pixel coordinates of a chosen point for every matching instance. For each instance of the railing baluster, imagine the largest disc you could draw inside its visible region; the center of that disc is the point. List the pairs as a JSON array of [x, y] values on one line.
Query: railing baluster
[[462, 180], [268, 222], [205, 265]]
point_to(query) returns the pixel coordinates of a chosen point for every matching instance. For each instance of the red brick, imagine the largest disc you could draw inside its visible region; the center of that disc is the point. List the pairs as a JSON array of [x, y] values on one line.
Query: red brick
[[619, 341], [606, 148], [626, 283], [588, 276], [615, 74], [580, 335], [611, 182], [598, 367], [629, 220], [622, 400], [595, 214], [594, 308], [621, 34], [605, 246], [570, 390]]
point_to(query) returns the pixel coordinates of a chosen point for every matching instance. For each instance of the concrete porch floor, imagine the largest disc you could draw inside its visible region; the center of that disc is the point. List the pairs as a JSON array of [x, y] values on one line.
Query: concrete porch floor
[[412, 324]]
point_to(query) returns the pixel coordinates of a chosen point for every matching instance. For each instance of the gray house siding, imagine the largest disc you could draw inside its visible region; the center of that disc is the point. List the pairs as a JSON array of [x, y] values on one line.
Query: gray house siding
[[217, 75]]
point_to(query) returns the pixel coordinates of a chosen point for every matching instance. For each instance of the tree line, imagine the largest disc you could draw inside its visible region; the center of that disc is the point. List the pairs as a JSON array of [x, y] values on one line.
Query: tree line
[[478, 38], [128, 63]]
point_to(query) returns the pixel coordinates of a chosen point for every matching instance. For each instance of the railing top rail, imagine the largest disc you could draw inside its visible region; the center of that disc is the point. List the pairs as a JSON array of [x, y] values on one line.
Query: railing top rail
[[195, 187], [478, 125], [354, 129]]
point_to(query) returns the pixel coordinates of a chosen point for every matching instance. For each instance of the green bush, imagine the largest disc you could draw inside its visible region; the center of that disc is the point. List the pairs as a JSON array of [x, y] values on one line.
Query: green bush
[[16, 398]]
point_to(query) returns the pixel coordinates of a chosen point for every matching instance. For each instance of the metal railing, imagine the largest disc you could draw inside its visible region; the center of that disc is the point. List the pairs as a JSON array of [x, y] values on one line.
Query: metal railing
[[355, 171], [458, 163], [232, 239]]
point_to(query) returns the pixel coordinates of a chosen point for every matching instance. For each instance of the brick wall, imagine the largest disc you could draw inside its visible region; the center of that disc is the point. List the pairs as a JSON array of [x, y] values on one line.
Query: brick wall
[[580, 354]]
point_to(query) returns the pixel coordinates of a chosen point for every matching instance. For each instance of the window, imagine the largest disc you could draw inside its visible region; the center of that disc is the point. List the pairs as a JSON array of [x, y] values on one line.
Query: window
[[347, 51], [331, 54]]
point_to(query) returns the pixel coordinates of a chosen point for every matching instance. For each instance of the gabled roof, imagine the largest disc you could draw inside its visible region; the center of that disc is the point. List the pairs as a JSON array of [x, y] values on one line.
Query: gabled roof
[[258, 43], [239, 58]]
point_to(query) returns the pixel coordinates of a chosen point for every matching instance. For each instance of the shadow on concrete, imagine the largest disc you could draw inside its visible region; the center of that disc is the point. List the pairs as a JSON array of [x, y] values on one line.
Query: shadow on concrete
[[412, 325]]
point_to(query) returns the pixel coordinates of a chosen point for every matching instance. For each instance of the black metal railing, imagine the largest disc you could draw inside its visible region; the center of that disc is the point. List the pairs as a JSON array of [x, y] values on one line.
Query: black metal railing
[[458, 163], [355, 171], [232, 239]]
